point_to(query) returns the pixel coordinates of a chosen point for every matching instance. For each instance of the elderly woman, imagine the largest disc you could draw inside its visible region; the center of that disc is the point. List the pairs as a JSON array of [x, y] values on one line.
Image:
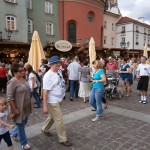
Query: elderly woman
[[97, 91], [18, 96]]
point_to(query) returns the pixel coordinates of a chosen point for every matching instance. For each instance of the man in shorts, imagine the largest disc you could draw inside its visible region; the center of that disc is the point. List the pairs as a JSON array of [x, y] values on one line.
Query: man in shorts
[[143, 71]]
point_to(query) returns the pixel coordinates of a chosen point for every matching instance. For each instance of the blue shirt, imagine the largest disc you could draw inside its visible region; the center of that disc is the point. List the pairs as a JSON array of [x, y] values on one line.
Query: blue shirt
[[97, 76], [125, 75]]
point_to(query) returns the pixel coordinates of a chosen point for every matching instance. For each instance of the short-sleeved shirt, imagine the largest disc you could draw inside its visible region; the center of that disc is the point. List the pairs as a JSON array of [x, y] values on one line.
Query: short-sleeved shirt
[[111, 66], [20, 94], [74, 70], [125, 75], [97, 76], [85, 71], [32, 75], [3, 117], [144, 69], [3, 72], [54, 83]]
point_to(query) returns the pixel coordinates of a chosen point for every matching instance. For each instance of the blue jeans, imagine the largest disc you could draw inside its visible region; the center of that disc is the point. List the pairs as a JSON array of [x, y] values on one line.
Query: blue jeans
[[14, 132], [74, 88], [96, 100], [21, 131], [36, 96]]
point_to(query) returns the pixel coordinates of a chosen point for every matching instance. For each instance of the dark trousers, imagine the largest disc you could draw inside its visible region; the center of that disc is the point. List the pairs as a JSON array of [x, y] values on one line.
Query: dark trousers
[[74, 88], [6, 138]]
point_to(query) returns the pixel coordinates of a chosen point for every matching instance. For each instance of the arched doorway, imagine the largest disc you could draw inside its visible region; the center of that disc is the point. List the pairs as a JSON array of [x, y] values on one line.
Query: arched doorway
[[72, 32]]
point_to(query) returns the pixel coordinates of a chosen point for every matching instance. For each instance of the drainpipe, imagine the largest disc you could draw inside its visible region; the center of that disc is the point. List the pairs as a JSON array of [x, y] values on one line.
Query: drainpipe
[[133, 34]]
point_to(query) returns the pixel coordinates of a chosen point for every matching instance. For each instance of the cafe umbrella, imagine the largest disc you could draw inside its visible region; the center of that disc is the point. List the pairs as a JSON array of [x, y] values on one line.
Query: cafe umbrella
[[92, 52], [36, 52]]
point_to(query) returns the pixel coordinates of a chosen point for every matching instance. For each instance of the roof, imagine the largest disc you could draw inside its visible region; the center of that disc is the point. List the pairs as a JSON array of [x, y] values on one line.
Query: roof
[[130, 20]]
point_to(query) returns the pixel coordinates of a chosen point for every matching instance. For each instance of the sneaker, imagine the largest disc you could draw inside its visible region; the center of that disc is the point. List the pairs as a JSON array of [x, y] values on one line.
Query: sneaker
[[140, 101], [144, 102], [97, 118], [71, 98], [26, 147]]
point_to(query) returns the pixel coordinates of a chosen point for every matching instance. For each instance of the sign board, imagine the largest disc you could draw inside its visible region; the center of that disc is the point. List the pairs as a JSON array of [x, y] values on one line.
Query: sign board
[[116, 53], [63, 46]]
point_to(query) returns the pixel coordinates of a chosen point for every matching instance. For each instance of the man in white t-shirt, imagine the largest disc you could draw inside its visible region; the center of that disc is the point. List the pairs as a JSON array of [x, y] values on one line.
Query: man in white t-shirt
[[53, 94], [143, 71], [73, 71]]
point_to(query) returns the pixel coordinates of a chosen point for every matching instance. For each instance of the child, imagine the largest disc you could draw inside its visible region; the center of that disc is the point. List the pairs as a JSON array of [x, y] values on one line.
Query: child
[[4, 125]]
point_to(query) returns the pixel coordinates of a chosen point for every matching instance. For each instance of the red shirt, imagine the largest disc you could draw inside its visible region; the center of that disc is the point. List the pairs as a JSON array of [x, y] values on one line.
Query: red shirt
[[3, 72], [111, 66]]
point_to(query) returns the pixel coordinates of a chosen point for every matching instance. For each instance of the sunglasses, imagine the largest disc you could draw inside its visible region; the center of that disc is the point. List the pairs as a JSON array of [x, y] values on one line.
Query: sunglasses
[[20, 71]]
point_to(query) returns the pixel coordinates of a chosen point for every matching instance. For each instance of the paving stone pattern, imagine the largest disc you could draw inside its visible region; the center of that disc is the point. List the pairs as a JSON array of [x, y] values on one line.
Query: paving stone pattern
[[113, 132]]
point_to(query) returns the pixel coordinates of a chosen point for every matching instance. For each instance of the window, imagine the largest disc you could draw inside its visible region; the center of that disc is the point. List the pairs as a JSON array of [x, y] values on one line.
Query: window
[[29, 4], [148, 32], [30, 26], [48, 7], [113, 26], [72, 32], [105, 24], [145, 31], [49, 28], [137, 40], [112, 40], [137, 29], [105, 40], [11, 22], [144, 40], [123, 29], [11, 1], [148, 41], [123, 40], [90, 16]]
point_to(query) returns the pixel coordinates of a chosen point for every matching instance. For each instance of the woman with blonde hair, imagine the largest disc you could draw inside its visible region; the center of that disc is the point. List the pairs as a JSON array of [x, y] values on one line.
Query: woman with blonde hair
[[97, 91]]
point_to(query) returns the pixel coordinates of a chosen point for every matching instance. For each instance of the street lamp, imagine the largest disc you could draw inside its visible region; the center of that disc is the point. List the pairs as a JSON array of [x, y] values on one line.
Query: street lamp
[[124, 44], [8, 34]]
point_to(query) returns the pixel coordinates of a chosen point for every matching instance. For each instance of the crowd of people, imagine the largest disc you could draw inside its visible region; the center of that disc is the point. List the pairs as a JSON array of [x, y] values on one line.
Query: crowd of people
[[47, 88]]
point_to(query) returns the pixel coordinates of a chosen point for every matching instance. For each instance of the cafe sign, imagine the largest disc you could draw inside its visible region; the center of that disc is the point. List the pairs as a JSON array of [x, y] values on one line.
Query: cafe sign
[[63, 46], [116, 53]]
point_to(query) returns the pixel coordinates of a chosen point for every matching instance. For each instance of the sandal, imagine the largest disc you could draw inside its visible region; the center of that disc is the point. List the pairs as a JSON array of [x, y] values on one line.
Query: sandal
[[46, 133], [26, 147], [67, 143], [15, 139]]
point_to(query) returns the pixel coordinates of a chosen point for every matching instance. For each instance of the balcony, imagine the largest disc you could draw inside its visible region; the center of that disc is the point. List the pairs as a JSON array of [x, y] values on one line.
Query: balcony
[[137, 43]]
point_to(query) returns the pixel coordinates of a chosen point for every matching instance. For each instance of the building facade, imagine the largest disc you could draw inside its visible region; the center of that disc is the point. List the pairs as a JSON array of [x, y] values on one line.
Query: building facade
[[81, 19], [43, 17], [12, 19], [23, 17], [133, 33]]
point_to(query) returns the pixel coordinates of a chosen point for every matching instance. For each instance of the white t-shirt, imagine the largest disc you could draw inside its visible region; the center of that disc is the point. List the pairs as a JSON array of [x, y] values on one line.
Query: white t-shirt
[[30, 81], [55, 84], [74, 68], [3, 116], [144, 69]]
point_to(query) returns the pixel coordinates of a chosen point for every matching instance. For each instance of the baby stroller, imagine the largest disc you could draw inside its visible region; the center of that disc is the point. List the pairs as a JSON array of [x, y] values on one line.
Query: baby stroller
[[111, 87]]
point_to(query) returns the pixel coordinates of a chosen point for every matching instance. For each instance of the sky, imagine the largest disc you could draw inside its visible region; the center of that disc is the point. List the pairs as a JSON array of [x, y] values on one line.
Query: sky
[[135, 9]]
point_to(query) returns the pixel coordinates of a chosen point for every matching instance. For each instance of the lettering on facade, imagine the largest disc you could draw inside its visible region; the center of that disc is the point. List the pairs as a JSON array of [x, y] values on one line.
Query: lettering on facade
[[63, 46]]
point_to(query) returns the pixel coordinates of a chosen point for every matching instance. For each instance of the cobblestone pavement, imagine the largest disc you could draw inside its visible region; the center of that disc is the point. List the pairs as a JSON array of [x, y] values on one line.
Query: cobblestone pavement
[[114, 132]]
